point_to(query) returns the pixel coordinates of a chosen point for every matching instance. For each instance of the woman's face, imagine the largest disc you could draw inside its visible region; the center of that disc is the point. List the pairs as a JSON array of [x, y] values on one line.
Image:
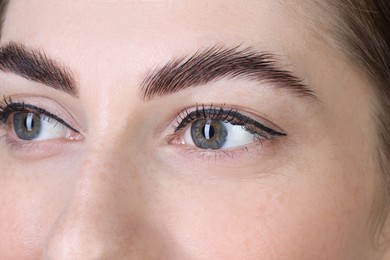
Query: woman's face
[[149, 130]]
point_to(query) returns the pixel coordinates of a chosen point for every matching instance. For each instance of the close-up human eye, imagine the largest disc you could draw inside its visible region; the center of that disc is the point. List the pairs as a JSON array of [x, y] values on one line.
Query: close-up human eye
[[29, 123], [221, 127]]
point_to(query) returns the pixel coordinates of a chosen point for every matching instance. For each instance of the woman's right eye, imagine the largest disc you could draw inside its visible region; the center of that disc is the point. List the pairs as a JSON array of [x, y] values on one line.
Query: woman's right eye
[[29, 123], [29, 126], [216, 134]]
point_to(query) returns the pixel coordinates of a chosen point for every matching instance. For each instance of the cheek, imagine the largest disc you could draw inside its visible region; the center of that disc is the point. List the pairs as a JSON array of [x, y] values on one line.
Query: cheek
[[25, 223], [30, 203], [274, 217], [24, 217]]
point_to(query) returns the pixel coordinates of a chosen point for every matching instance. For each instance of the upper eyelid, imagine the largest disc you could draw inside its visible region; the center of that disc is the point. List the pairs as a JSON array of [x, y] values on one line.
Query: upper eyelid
[[61, 109], [218, 113], [48, 114], [23, 107]]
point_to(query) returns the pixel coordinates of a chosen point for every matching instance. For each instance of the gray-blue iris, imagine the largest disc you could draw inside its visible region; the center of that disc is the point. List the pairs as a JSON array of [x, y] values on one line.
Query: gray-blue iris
[[27, 126], [208, 133]]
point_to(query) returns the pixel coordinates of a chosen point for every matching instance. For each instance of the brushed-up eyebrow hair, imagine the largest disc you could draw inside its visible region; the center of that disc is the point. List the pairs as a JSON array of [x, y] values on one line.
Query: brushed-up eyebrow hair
[[217, 63], [36, 66]]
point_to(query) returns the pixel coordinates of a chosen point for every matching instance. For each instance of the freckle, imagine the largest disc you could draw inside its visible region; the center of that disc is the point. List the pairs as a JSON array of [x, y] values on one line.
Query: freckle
[[281, 198]]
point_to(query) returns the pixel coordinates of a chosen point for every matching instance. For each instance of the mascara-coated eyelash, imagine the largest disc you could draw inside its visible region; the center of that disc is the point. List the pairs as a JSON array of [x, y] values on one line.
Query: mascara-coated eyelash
[[221, 128], [8, 107]]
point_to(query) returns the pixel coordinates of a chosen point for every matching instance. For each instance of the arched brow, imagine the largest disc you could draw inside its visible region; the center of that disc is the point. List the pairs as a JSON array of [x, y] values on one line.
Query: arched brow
[[217, 63], [36, 66]]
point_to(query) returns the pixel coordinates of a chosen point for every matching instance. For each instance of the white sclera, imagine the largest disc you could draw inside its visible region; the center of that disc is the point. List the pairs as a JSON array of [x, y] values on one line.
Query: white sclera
[[237, 136], [51, 129]]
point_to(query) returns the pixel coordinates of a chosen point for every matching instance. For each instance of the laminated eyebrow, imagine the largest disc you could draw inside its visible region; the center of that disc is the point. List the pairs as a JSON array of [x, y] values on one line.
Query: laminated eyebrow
[[35, 65], [217, 63]]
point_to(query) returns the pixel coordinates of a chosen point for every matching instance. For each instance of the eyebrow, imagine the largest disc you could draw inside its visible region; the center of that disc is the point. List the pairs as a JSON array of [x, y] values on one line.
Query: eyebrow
[[36, 66], [219, 62]]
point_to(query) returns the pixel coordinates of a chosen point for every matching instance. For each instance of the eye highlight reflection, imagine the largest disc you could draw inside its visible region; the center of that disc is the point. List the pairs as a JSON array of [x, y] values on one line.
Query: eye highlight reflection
[[220, 128]]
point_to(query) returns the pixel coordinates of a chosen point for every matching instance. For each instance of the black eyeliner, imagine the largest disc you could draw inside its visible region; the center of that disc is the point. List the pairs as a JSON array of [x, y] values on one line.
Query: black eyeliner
[[230, 116], [9, 108]]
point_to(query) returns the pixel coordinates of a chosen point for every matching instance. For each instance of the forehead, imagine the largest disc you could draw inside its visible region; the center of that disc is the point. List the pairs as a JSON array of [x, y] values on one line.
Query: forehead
[[128, 23]]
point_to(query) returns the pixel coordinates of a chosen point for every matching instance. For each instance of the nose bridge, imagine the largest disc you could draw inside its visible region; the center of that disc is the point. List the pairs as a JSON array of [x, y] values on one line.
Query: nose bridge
[[103, 208]]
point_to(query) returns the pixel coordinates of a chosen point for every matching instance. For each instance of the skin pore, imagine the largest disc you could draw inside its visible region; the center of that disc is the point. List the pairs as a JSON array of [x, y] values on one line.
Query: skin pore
[[122, 181]]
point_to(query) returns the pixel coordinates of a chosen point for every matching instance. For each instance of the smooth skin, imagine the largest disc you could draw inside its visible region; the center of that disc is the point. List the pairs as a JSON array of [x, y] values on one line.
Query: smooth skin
[[124, 190]]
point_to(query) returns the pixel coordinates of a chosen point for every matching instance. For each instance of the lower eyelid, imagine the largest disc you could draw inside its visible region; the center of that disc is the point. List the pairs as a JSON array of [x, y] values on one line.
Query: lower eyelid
[[253, 151], [37, 150]]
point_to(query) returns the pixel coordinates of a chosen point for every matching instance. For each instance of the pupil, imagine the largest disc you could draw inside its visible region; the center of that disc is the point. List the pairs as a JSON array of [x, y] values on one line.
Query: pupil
[[208, 131], [212, 132]]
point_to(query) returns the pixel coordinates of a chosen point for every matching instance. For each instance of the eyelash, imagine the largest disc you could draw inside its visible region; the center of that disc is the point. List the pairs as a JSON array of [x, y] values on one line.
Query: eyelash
[[9, 107], [229, 115]]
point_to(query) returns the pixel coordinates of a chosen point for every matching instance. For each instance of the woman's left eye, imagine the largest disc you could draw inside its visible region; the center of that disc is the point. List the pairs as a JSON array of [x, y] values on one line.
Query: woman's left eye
[[216, 134], [211, 128]]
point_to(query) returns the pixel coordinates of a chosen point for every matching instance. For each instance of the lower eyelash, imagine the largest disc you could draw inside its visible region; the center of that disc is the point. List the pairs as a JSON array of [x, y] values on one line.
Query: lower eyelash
[[225, 155]]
